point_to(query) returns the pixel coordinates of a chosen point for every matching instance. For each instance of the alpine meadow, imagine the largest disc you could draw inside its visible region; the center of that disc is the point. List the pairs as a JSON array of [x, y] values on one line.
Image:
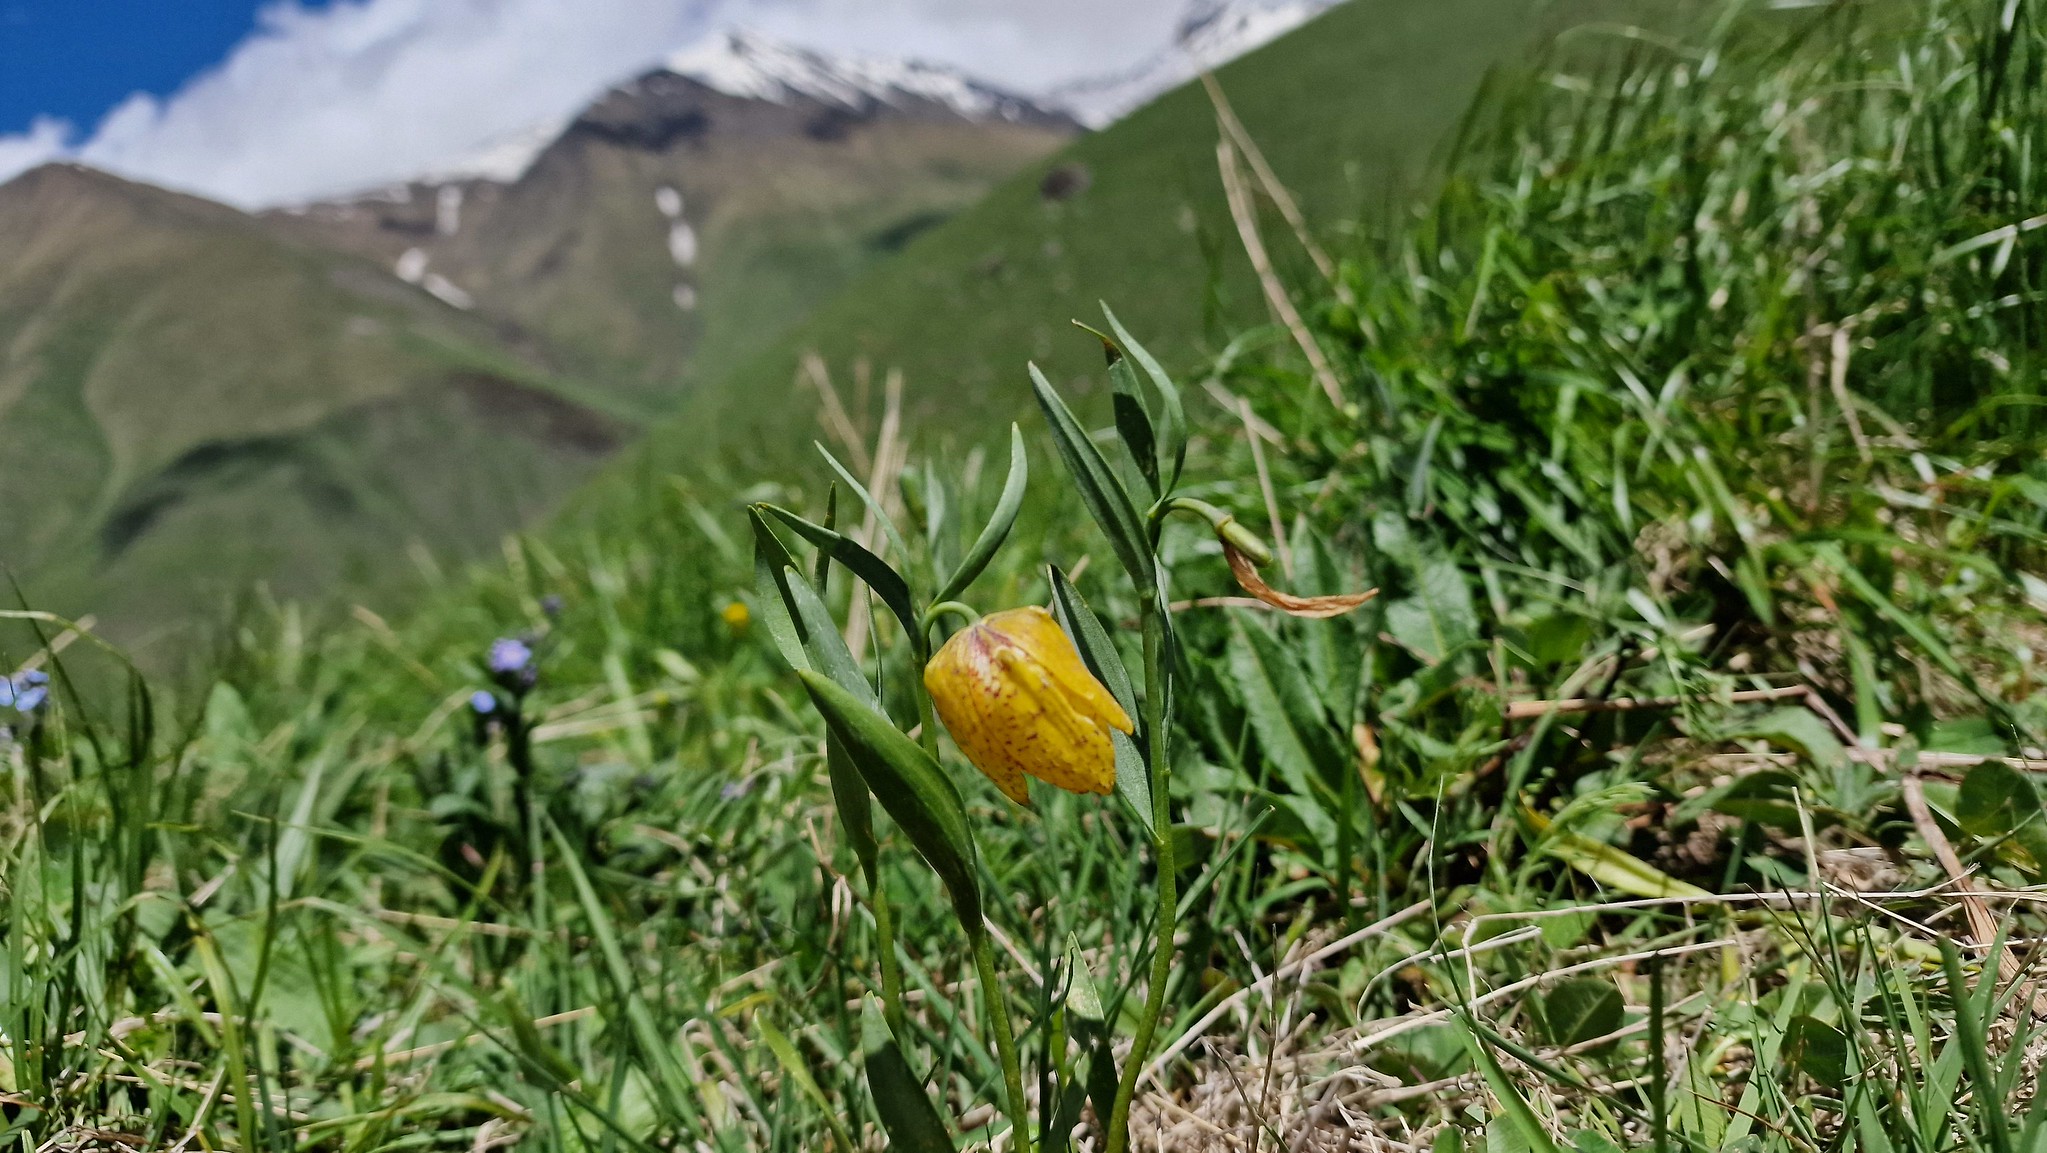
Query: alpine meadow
[[1472, 579]]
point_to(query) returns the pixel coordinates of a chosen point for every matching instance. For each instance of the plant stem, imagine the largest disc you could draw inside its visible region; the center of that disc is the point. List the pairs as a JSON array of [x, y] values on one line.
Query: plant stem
[[1005, 1041], [927, 724], [885, 940], [1155, 691]]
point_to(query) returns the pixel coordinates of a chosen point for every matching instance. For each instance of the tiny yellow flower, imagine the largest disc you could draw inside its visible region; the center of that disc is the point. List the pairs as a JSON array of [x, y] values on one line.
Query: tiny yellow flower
[[736, 616], [1016, 698]]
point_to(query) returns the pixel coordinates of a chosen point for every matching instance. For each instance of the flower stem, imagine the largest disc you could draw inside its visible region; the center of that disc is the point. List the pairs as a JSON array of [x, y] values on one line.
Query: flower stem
[[1005, 1042], [1155, 691]]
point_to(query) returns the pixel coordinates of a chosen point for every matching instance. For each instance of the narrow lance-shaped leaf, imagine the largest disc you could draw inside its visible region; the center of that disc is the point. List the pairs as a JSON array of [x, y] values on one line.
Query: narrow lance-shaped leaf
[[1171, 420], [912, 1123], [1133, 418], [888, 524], [771, 561], [887, 583], [997, 529], [1133, 780], [823, 646], [854, 802], [1099, 488], [910, 785]]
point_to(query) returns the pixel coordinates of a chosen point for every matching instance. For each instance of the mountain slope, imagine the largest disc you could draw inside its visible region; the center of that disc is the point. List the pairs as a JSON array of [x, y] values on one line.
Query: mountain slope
[[1349, 108], [193, 398], [687, 218], [187, 402]]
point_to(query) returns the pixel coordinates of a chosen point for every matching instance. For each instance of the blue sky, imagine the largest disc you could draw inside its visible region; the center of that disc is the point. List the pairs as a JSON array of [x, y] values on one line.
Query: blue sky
[[75, 60]]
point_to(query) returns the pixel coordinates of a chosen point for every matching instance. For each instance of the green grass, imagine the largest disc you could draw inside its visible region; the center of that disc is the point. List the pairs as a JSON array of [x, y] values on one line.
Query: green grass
[[1588, 444]]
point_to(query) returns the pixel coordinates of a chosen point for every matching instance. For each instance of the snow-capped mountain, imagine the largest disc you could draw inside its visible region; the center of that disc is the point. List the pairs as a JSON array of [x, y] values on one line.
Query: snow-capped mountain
[[1211, 33], [740, 63], [749, 66]]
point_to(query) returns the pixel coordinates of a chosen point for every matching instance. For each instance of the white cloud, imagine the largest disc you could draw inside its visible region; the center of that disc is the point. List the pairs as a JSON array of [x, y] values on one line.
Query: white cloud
[[369, 91], [43, 142]]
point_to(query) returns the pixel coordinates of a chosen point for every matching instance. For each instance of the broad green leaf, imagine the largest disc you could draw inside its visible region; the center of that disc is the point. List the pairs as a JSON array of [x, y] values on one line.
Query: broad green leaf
[[997, 529], [1170, 422], [1994, 800], [1818, 1050], [912, 1122], [1099, 489], [1797, 728], [887, 583], [1582, 1008], [1293, 732], [910, 785], [1439, 619]]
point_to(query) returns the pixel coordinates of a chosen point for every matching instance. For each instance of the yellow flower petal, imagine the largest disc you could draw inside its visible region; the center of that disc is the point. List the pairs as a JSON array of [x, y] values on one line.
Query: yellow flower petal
[[1013, 691]]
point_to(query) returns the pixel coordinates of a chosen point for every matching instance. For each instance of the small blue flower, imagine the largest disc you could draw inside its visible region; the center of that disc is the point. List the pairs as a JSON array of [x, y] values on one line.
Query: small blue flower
[[551, 605], [510, 655], [483, 702], [736, 789], [25, 692]]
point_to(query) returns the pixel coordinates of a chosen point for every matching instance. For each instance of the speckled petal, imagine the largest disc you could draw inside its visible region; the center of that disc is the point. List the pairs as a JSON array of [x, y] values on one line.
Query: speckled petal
[[1017, 698], [964, 682], [1035, 631]]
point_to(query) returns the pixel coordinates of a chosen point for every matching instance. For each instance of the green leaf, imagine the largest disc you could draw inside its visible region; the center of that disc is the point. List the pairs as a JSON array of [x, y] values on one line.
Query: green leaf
[[909, 784], [771, 562], [1607, 865], [1439, 619], [1133, 423], [1171, 419], [1081, 995], [1099, 489], [1580, 1009], [824, 648], [854, 802], [912, 1122], [888, 525], [1514, 1106], [1133, 779], [1767, 798], [1994, 800], [887, 583], [1293, 731], [799, 1074], [1797, 728], [999, 524], [1818, 1050]]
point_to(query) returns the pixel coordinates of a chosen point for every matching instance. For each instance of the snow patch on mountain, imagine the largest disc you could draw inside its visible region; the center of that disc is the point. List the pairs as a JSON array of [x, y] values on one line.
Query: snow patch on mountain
[[501, 159], [744, 64], [1211, 34]]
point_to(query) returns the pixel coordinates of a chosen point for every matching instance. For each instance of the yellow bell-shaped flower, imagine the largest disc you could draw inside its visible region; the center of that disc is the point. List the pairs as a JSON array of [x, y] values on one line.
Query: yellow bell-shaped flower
[[1016, 698]]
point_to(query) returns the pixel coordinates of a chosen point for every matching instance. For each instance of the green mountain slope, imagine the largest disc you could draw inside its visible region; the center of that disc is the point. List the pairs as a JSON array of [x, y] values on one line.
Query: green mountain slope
[[1349, 109], [188, 403], [193, 399], [674, 231]]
